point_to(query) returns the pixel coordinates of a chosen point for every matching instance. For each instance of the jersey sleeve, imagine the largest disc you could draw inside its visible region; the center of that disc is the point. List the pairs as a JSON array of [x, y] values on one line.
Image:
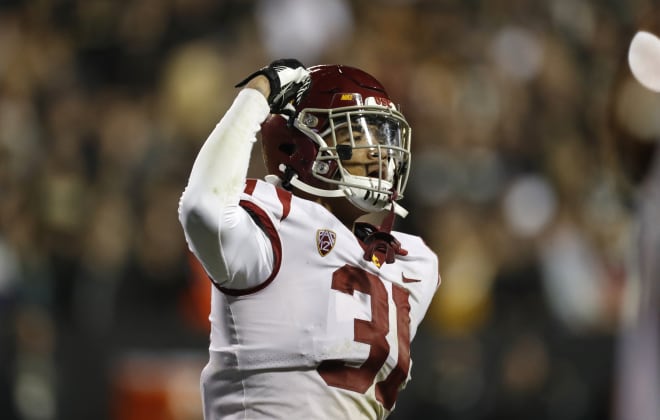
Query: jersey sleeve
[[233, 248]]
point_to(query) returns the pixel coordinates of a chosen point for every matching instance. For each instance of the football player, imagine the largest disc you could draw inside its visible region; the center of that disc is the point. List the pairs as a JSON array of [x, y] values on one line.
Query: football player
[[315, 299]]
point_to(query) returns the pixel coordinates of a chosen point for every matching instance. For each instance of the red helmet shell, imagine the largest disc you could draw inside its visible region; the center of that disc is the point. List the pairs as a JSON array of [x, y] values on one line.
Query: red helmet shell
[[332, 86]]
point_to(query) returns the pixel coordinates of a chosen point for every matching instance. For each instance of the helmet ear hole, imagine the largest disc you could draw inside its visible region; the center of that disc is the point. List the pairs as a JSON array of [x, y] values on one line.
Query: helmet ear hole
[[287, 148]]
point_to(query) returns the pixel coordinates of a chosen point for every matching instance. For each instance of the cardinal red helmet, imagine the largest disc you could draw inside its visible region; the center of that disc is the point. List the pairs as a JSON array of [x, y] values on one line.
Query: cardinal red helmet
[[343, 110]]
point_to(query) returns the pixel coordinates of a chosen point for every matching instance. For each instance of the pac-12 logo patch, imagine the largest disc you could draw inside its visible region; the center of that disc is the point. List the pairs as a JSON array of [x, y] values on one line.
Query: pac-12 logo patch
[[325, 241]]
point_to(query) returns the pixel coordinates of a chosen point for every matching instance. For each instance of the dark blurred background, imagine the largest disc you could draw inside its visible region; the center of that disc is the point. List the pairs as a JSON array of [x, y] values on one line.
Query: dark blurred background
[[529, 139]]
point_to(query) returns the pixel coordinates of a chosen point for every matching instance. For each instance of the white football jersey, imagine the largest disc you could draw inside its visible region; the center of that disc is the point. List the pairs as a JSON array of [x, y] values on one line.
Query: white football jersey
[[327, 335]]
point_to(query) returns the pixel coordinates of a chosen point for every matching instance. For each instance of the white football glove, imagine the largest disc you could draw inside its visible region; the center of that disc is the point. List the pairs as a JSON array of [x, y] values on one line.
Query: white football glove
[[289, 80]]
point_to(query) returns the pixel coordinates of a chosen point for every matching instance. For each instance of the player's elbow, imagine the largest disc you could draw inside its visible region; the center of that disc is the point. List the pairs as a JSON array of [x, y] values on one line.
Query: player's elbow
[[198, 217], [200, 222]]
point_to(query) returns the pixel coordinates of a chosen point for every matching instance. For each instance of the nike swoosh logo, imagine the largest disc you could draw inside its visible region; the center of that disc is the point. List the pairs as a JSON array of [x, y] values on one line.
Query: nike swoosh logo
[[408, 280]]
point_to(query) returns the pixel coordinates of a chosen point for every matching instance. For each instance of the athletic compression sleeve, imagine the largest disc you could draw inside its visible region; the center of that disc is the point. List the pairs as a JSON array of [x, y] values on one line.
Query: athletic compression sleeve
[[235, 252]]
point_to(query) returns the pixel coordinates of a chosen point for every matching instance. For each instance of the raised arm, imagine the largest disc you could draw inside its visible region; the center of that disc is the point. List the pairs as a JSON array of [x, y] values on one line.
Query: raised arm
[[234, 251]]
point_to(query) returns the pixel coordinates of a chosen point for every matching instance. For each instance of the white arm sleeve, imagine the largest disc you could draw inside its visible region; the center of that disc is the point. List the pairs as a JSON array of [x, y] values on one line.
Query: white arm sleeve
[[235, 252]]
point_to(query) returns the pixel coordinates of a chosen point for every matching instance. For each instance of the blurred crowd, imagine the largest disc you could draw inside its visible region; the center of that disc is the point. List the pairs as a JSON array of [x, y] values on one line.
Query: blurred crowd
[[518, 111]]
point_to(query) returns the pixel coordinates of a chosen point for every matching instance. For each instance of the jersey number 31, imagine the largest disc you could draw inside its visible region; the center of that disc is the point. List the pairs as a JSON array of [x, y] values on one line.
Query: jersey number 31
[[349, 279]]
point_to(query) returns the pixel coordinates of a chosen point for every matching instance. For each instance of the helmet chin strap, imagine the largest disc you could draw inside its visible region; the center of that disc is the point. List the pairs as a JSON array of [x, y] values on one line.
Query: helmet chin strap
[[302, 186], [296, 182], [398, 209]]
